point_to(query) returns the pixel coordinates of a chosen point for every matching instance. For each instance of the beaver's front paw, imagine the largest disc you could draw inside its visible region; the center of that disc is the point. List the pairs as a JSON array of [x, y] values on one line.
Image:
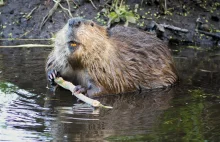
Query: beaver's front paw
[[79, 89], [51, 75]]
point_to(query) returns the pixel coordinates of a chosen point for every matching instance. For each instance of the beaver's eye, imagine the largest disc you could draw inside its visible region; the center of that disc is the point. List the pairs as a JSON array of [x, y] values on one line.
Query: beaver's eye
[[92, 24]]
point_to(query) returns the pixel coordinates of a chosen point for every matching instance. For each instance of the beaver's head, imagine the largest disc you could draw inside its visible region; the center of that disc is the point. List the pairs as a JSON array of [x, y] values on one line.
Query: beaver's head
[[84, 34], [81, 40]]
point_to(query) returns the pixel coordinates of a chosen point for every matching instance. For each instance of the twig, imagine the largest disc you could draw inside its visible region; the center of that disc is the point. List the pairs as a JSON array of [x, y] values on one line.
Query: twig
[[24, 34], [174, 28], [106, 4], [71, 87], [75, 3], [93, 4], [9, 39], [210, 34], [121, 3], [50, 13], [27, 45], [29, 14], [68, 10], [165, 5]]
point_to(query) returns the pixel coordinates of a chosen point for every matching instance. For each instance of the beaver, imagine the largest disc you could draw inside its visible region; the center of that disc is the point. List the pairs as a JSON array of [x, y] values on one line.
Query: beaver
[[110, 61]]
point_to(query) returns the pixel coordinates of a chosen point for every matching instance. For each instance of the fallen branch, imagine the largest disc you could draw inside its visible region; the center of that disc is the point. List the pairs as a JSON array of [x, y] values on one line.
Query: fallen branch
[[93, 4], [69, 86], [75, 3], [210, 34], [68, 10], [26, 33], [50, 13], [165, 5], [29, 14], [23, 39], [27, 45], [174, 28]]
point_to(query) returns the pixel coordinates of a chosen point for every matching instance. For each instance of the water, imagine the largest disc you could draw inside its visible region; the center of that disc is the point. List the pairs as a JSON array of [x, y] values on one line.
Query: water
[[190, 111]]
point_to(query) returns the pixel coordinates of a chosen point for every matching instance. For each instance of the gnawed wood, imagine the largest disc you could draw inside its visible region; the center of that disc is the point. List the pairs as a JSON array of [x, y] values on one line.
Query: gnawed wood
[[69, 86]]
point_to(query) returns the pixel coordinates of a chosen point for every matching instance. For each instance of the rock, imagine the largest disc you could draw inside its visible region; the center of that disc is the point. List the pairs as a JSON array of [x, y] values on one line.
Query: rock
[[200, 25], [204, 27], [214, 18], [151, 26]]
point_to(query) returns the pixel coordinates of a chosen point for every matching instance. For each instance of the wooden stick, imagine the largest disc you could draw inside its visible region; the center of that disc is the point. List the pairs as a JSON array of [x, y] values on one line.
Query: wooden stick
[[93, 4], [165, 5], [213, 35], [174, 28], [50, 13], [26, 39], [75, 3], [27, 45], [68, 10], [29, 14], [69, 86]]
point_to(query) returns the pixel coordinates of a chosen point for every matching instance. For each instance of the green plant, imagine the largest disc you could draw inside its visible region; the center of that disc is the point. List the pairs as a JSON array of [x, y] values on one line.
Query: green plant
[[1, 2], [120, 12]]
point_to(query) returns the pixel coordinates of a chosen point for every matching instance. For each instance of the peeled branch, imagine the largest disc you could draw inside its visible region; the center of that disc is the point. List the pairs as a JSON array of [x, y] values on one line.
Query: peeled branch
[[27, 45], [69, 86]]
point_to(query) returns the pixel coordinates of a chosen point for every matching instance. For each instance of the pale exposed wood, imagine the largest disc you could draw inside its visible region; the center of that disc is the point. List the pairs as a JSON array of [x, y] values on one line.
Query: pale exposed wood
[[69, 86], [27, 45], [175, 28]]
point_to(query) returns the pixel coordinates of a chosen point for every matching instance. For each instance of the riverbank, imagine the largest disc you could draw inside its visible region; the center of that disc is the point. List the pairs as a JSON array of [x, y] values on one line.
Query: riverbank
[[23, 19]]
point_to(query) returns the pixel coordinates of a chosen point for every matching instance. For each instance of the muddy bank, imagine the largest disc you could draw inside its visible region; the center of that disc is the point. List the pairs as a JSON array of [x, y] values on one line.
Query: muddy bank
[[22, 18]]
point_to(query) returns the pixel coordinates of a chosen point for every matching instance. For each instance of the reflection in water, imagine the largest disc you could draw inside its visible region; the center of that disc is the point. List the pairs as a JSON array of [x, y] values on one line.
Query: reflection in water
[[132, 114], [188, 111], [20, 115]]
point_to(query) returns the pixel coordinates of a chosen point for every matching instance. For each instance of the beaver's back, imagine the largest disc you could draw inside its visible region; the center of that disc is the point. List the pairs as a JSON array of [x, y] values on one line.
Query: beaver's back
[[146, 60]]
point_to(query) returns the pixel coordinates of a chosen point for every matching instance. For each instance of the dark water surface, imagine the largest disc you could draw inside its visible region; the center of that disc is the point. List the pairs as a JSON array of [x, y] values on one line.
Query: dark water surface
[[189, 111]]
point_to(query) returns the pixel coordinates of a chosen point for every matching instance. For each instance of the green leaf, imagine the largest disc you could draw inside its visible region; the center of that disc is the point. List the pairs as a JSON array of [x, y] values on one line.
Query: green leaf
[[117, 19], [131, 19], [1, 2], [118, 11], [112, 15]]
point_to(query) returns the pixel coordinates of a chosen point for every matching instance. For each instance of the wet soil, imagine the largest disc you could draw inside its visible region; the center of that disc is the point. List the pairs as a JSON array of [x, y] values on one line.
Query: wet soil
[[182, 14]]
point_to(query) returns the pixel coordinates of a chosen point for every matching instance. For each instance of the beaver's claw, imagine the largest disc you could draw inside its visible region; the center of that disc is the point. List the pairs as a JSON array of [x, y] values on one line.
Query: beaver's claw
[[79, 89], [51, 75]]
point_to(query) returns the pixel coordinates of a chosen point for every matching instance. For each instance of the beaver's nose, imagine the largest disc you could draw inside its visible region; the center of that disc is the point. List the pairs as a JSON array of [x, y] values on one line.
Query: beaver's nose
[[75, 22]]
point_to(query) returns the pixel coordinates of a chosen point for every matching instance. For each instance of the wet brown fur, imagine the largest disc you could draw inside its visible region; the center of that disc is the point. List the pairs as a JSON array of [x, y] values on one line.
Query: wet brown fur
[[119, 60]]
